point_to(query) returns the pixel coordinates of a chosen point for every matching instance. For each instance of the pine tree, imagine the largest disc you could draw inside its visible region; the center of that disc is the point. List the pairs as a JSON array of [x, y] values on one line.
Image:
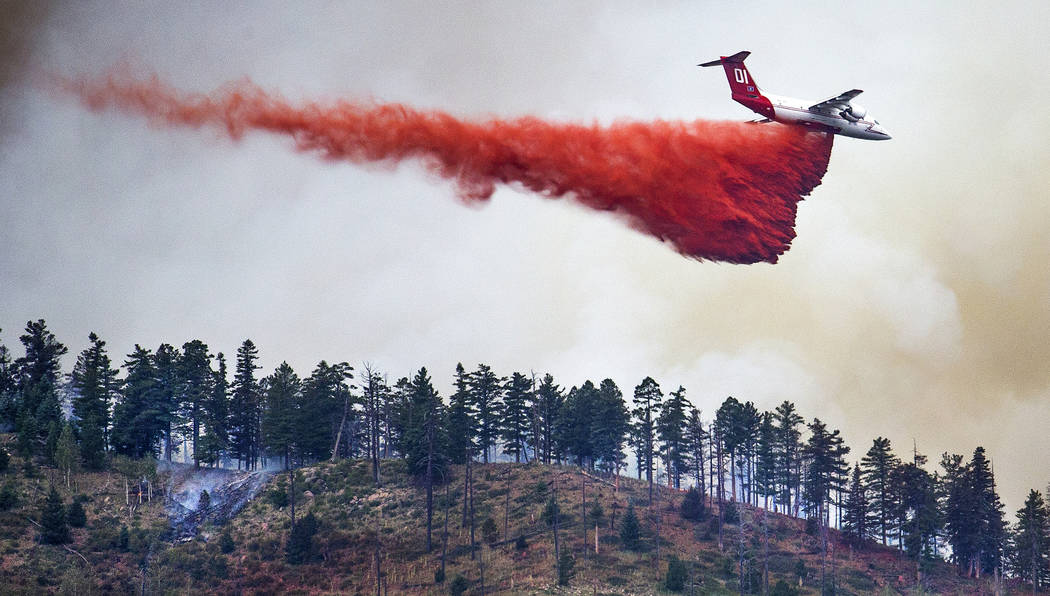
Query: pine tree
[[630, 531], [855, 520], [574, 429], [517, 403], [766, 458], [166, 397], [987, 514], [196, 381], [245, 407], [8, 387], [325, 395], [1030, 556], [38, 381], [94, 383], [647, 398], [281, 420], [139, 419], [788, 466], [919, 516], [697, 437], [75, 514], [422, 439], [549, 397], [877, 466], [486, 393], [300, 547], [53, 526], [692, 505], [215, 440], [611, 423], [671, 428]]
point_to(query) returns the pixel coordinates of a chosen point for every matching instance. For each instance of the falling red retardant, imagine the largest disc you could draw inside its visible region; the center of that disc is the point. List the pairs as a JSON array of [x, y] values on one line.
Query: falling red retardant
[[721, 191]]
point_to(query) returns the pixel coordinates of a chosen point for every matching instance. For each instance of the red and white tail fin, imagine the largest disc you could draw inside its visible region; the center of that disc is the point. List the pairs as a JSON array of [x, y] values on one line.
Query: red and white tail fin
[[740, 80], [742, 84]]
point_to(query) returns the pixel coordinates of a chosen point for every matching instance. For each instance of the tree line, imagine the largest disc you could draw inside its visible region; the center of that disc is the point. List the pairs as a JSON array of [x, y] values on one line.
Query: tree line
[[182, 400]]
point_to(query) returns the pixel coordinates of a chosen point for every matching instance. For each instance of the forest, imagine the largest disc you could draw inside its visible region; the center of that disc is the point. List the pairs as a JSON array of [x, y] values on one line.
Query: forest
[[185, 404]]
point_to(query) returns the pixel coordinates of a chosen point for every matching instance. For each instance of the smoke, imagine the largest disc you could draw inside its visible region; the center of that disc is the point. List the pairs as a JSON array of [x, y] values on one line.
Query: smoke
[[722, 191]]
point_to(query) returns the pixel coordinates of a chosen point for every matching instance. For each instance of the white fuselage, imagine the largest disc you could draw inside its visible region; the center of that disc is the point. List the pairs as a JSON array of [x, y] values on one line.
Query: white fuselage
[[790, 110]]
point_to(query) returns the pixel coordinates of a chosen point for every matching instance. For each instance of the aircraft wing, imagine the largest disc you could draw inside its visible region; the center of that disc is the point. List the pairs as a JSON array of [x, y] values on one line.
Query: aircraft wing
[[835, 104]]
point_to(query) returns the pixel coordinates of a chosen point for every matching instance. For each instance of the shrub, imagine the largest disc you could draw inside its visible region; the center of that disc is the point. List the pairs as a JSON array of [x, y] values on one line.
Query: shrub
[[489, 531], [204, 502], [783, 589], [124, 538], [301, 540], [53, 527], [278, 497], [5, 460], [439, 576], [520, 543], [226, 543], [630, 531], [565, 568], [8, 497], [693, 505], [75, 514], [458, 585], [677, 573], [730, 514]]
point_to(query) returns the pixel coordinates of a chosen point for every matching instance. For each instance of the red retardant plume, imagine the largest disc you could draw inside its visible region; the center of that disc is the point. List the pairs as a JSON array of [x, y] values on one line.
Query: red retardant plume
[[722, 191]]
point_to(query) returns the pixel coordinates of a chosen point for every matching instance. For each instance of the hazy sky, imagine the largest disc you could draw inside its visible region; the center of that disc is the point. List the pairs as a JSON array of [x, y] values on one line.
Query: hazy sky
[[914, 304]]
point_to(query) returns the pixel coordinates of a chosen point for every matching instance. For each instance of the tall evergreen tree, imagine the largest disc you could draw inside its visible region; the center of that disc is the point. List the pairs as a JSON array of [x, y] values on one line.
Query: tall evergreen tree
[[766, 458], [196, 381], [215, 441], [987, 514], [609, 428], [647, 399], [38, 379], [730, 422], [856, 517], [824, 454], [245, 407], [549, 397], [877, 466], [697, 437], [788, 440], [325, 394], [8, 385], [1030, 556], [486, 392], [282, 422], [67, 454], [918, 511], [94, 383], [575, 423], [166, 360], [139, 417], [423, 440], [517, 403], [671, 429]]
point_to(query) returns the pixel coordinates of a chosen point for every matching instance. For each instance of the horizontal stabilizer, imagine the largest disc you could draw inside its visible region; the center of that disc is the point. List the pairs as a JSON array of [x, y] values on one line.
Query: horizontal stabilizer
[[735, 58]]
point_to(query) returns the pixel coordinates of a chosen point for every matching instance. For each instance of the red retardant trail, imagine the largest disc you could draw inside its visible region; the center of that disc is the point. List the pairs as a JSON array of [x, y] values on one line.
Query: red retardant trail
[[722, 191]]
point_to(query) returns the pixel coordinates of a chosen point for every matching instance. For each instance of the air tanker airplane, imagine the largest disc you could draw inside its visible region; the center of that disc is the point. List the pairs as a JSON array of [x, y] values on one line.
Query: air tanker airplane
[[835, 115]]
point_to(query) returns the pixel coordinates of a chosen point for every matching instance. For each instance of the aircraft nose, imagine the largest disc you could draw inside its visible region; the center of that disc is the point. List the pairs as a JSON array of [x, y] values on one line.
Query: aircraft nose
[[885, 133]]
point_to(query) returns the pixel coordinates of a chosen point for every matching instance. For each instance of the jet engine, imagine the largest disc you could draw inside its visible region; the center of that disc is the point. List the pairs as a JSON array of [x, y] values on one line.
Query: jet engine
[[854, 112]]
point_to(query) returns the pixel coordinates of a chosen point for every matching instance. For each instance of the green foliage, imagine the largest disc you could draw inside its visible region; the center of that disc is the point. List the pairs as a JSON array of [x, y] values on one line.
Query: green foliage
[[489, 531], [439, 576], [566, 568], [8, 496], [677, 574], [730, 514], [783, 589], [521, 544], [692, 505], [458, 585], [204, 502], [226, 543], [630, 531], [5, 460], [75, 514], [124, 538], [53, 526], [300, 547], [278, 497]]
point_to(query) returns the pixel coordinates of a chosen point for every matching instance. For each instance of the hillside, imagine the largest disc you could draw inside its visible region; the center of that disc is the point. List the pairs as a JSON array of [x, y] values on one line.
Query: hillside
[[356, 521]]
